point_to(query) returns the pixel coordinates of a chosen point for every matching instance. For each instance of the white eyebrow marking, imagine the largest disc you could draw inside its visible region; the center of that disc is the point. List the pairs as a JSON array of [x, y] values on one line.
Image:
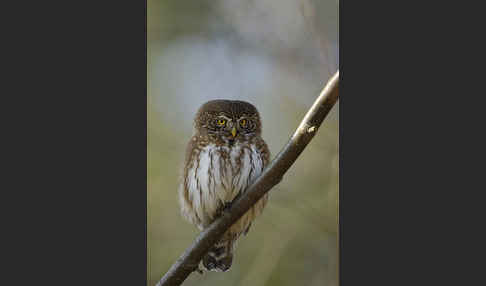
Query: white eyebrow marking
[[225, 117]]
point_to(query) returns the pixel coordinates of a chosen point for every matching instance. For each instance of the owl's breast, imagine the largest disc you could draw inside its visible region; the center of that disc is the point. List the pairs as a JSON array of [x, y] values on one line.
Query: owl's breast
[[219, 174], [232, 170]]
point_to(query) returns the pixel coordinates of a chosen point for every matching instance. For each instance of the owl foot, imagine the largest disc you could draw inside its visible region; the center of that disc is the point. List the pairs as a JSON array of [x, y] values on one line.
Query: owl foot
[[227, 206], [223, 209]]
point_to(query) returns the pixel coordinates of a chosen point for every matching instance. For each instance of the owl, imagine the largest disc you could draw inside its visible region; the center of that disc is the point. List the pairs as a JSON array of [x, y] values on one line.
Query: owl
[[223, 158]]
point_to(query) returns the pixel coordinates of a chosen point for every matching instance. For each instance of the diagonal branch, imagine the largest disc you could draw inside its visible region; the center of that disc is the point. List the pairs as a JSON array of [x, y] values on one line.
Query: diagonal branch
[[271, 176]]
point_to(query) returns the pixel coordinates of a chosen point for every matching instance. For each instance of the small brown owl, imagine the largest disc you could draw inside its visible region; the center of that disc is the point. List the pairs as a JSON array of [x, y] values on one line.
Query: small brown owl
[[224, 156]]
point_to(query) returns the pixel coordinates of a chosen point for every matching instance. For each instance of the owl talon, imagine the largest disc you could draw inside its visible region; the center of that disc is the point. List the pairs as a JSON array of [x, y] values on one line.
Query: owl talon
[[224, 209], [227, 206]]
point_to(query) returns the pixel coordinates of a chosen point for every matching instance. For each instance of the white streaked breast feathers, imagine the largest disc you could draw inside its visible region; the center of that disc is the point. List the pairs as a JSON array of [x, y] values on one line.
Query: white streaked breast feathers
[[217, 177]]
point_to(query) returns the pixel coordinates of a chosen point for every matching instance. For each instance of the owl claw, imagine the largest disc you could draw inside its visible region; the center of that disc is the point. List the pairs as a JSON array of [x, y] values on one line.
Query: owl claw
[[227, 206], [224, 208]]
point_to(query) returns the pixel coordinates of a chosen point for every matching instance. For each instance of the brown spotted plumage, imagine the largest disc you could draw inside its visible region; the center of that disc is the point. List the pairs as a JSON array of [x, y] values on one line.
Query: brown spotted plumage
[[224, 156]]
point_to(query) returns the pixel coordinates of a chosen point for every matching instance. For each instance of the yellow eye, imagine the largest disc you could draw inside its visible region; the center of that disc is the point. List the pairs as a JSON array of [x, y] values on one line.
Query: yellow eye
[[221, 122], [243, 122]]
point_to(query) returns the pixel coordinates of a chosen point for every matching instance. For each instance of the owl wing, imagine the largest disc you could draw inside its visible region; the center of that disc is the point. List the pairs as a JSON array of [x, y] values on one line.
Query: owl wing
[[185, 201], [264, 152], [262, 148]]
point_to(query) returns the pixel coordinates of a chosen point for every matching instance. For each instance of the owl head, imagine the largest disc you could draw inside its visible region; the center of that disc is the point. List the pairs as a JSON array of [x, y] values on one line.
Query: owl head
[[228, 121]]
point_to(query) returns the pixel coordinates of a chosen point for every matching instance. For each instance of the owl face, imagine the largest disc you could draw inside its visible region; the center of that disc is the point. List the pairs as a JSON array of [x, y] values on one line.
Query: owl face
[[228, 121]]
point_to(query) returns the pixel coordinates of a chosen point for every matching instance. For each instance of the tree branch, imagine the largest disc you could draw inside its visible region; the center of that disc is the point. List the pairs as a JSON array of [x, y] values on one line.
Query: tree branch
[[271, 176]]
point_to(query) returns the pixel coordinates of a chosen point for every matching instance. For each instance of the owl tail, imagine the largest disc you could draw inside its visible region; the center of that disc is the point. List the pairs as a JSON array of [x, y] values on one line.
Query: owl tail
[[219, 257]]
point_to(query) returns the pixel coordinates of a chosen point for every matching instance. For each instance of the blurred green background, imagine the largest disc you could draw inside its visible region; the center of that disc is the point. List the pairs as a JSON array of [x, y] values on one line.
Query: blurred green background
[[276, 54]]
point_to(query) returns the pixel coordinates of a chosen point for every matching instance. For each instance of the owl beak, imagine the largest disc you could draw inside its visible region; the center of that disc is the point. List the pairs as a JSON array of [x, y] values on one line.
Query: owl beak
[[233, 132]]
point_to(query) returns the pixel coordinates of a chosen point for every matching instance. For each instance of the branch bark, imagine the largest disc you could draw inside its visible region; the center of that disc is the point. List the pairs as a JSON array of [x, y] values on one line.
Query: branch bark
[[271, 176]]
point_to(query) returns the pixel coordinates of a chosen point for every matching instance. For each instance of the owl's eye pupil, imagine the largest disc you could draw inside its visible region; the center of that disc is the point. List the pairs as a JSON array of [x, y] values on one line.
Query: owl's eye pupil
[[221, 122]]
